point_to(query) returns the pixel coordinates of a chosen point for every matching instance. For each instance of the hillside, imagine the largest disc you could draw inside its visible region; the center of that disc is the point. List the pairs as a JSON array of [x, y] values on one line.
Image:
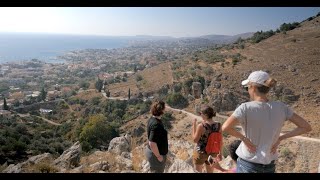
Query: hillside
[[153, 79], [292, 59]]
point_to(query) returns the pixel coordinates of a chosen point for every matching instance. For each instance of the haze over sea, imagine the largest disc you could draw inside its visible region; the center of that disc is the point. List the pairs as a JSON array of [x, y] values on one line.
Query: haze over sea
[[17, 47]]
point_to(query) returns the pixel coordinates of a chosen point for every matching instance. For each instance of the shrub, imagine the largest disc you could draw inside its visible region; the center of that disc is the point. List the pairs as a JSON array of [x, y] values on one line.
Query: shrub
[[310, 18], [208, 71], [260, 35], [285, 152], [139, 77], [177, 87], [95, 100], [176, 100], [289, 26], [166, 119], [45, 167], [97, 132], [84, 85]]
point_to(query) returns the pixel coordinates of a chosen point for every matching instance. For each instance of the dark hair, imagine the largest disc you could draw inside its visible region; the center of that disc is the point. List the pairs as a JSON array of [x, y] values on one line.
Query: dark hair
[[157, 108], [208, 111], [264, 89], [232, 149]]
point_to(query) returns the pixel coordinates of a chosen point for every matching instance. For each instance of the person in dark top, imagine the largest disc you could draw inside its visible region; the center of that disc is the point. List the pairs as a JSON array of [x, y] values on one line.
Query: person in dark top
[[157, 147]]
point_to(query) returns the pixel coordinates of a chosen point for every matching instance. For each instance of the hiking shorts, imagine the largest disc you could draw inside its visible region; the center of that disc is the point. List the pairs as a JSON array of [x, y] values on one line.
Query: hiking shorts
[[155, 165], [201, 157]]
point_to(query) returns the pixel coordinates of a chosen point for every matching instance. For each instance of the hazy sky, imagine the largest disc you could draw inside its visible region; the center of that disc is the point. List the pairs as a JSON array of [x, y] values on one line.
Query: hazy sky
[[163, 21]]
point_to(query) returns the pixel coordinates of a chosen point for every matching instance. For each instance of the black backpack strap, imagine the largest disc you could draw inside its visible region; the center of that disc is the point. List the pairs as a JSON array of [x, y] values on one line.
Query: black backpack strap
[[207, 127], [216, 127]]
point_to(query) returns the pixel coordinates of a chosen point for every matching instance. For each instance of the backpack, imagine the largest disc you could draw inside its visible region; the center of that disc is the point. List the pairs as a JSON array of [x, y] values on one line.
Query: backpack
[[214, 138]]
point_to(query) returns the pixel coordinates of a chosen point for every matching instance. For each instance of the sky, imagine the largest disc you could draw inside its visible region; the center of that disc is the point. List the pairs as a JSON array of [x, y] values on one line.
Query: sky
[[157, 21]]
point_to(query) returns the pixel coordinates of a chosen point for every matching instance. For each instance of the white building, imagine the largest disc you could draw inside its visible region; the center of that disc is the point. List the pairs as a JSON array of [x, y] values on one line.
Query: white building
[[45, 111]]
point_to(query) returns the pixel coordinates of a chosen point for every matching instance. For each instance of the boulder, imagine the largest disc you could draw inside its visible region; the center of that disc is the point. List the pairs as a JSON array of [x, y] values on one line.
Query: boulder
[[225, 101], [69, 158], [137, 132], [14, 168], [99, 166], [120, 144], [180, 166], [217, 85], [196, 89], [19, 168]]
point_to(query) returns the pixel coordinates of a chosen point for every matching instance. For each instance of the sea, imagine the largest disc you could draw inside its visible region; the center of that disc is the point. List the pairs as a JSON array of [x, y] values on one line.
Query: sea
[[18, 47]]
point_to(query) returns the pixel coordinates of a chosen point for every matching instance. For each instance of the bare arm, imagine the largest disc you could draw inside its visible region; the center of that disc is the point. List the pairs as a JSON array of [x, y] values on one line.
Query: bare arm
[[196, 131], [302, 127], [221, 150], [155, 150], [228, 127]]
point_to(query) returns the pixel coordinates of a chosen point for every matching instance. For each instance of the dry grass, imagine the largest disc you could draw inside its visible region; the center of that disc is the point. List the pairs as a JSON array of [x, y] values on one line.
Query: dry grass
[[97, 157], [45, 166], [3, 167], [153, 78], [137, 158], [88, 94]]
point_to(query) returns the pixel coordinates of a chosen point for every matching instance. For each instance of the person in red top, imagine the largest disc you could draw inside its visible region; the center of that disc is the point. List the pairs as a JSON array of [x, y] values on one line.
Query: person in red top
[[200, 136]]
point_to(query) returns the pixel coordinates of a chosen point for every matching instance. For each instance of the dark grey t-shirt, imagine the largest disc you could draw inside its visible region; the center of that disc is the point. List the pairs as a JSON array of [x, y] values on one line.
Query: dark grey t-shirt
[[261, 123], [158, 134]]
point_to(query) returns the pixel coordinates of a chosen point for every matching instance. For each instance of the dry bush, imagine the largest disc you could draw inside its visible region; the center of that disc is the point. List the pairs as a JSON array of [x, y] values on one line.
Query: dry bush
[[138, 157], [3, 167], [45, 167]]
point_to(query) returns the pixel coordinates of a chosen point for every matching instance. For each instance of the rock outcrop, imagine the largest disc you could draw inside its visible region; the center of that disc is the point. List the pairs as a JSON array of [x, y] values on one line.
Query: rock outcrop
[[120, 144], [21, 167], [180, 166], [69, 158]]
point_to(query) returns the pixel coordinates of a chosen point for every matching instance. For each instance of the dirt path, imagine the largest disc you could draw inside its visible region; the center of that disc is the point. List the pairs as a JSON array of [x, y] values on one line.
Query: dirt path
[[47, 120]]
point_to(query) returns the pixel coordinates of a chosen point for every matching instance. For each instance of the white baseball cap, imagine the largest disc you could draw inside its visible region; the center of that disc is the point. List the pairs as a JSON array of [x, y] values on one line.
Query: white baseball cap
[[259, 77]]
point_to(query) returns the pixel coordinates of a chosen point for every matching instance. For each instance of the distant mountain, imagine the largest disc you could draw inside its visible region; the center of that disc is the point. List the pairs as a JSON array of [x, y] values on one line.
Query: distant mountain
[[149, 37], [223, 39]]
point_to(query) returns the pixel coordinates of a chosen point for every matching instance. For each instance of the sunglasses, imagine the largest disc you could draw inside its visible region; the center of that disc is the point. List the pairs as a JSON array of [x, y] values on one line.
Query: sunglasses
[[246, 88]]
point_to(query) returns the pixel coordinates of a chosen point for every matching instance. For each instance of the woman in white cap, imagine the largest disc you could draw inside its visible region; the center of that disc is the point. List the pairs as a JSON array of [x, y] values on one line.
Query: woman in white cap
[[261, 120]]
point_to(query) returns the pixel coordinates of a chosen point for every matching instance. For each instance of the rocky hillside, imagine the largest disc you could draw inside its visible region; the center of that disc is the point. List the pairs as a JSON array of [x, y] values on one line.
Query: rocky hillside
[[161, 74], [292, 58]]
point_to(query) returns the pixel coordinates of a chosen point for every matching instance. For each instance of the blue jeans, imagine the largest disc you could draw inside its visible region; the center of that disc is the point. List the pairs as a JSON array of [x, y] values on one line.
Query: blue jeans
[[244, 166]]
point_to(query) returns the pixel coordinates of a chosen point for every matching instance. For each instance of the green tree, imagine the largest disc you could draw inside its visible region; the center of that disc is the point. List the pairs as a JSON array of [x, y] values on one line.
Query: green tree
[[176, 100], [97, 132], [5, 106], [108, 93], [166, 119], [99, 85], [95, 100], [84, 85], [129, 94], [43, 94]]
